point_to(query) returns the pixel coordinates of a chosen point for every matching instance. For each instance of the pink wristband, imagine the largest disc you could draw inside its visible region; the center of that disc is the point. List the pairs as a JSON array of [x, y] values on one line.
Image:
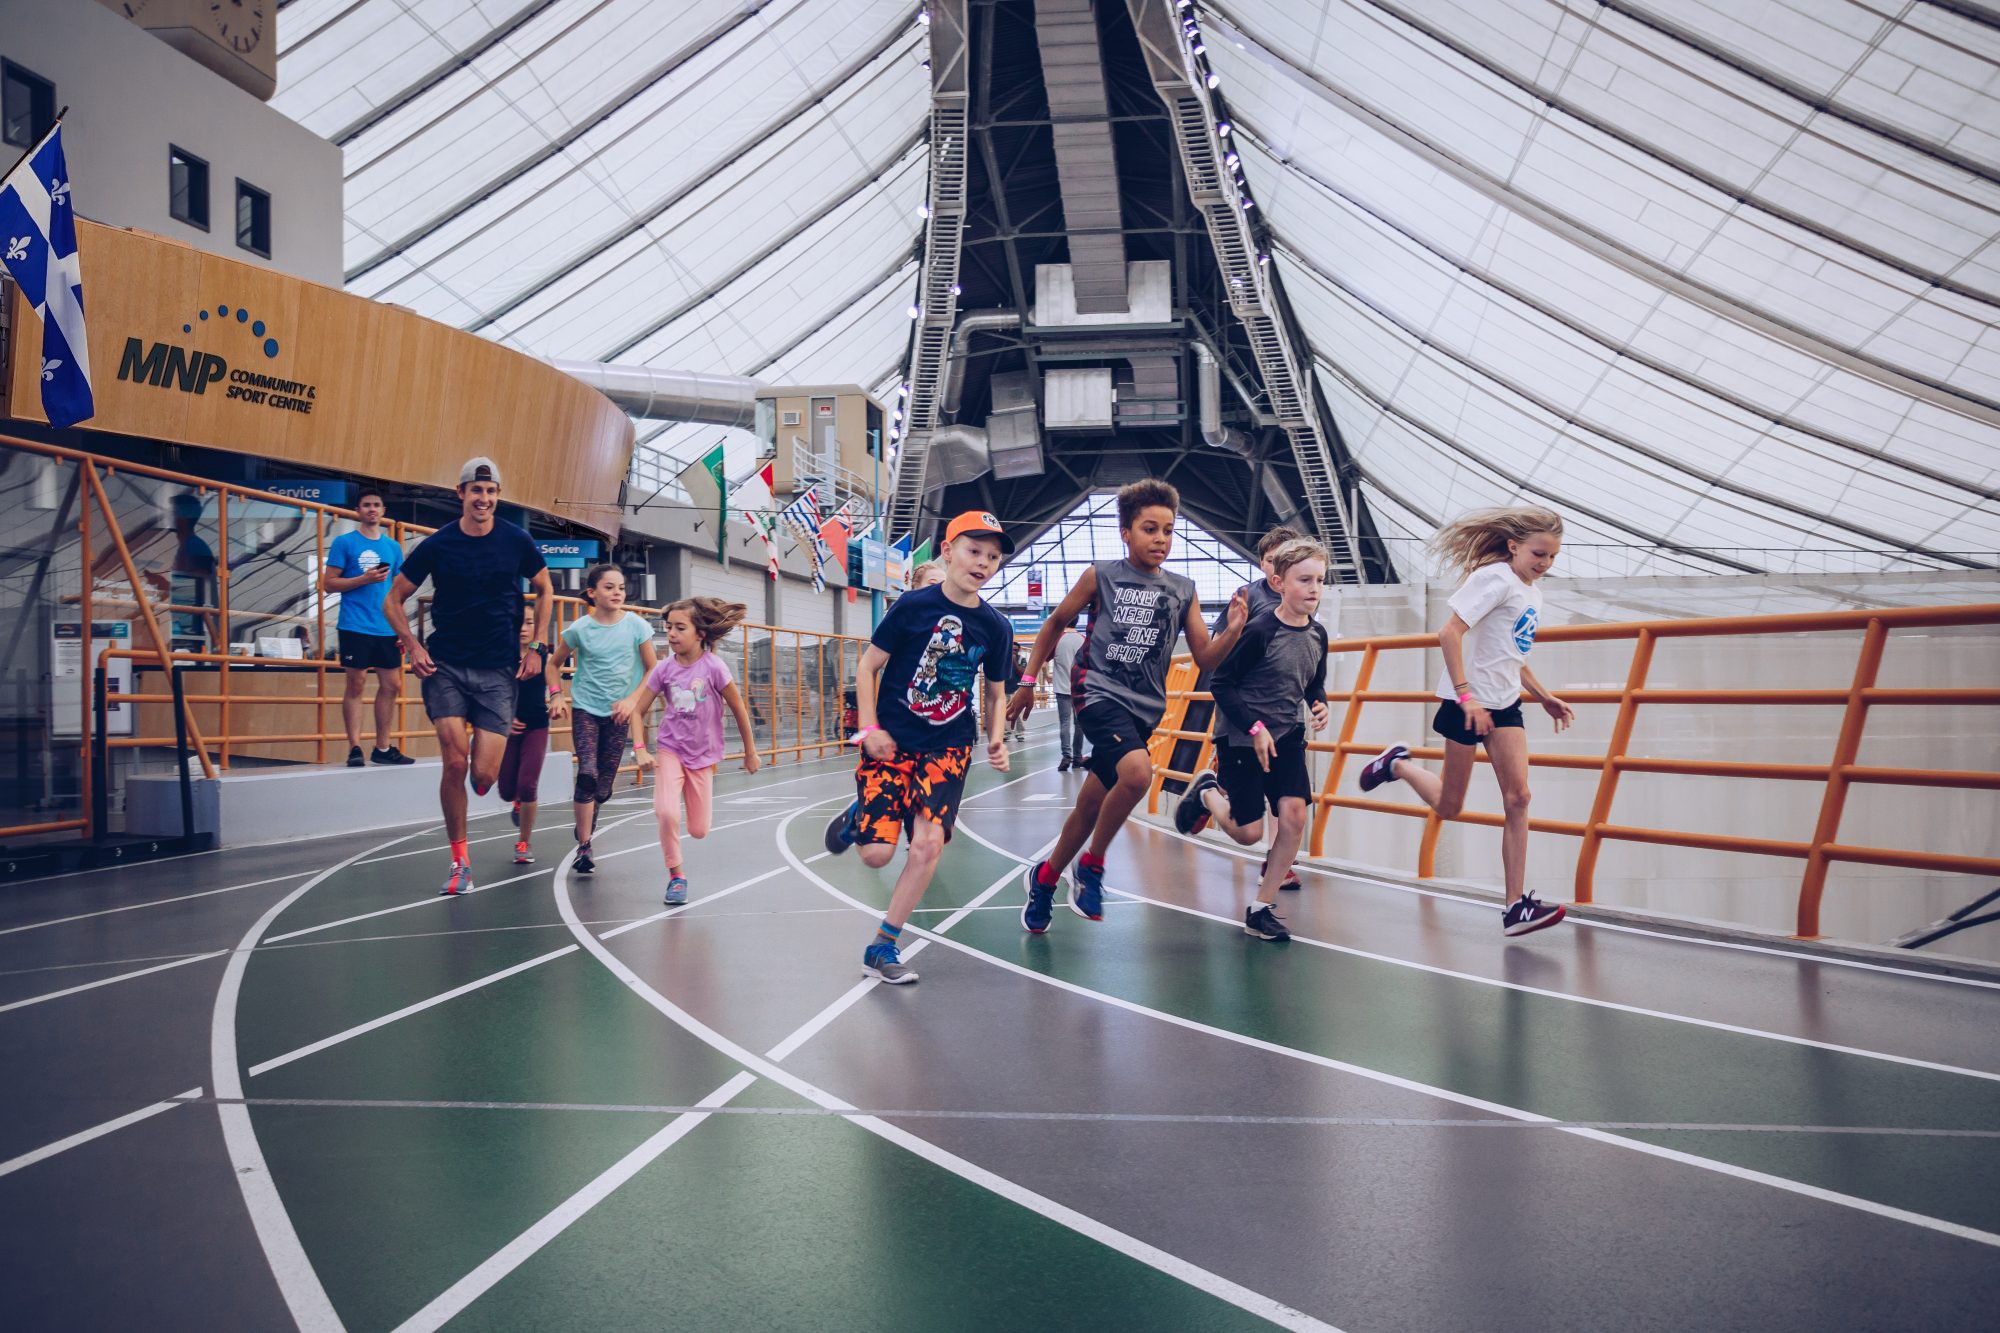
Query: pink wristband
[[1256, 727], [1464, 699]]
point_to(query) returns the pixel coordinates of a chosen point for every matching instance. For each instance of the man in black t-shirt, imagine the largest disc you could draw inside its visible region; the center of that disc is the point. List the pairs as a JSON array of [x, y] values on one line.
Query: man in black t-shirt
[[474, 657], [915, 692]]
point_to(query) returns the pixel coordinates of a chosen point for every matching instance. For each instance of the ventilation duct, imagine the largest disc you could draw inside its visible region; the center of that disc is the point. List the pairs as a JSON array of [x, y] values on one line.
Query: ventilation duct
[[1208, 396], [1086, 169], [671, 395], [958, 454], [1014, 438], [985, 321]]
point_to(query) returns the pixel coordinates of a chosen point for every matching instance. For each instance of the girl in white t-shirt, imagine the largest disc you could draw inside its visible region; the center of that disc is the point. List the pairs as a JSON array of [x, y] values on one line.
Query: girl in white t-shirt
[[1494, 614]]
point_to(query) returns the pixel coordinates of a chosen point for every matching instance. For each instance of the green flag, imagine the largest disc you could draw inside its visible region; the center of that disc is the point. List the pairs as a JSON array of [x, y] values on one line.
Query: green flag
[[709, 489], [921, 554]]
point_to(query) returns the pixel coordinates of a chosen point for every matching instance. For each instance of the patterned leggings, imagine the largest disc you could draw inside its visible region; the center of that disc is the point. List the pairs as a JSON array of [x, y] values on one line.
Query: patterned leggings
[[600, 745]]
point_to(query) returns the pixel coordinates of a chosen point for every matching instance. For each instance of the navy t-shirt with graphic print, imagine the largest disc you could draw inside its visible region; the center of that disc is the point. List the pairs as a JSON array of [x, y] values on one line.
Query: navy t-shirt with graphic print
[[929, 688]]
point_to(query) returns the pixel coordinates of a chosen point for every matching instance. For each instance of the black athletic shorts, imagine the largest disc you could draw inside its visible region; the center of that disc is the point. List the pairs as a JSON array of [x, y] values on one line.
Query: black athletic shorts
[[1113, 733], [370, 652], [1250, 789], [1450, 722]]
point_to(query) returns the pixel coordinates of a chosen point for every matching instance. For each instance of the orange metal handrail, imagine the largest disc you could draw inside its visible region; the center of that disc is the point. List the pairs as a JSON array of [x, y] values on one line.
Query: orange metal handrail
[[1841, 771]]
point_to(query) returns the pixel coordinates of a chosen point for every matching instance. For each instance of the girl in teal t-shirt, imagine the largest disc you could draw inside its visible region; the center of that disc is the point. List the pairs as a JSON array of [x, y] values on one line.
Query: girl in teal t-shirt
[[613, 650]]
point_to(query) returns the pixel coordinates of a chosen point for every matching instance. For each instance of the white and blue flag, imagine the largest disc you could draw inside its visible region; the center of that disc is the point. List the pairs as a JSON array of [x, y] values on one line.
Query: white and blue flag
[[38, 239]]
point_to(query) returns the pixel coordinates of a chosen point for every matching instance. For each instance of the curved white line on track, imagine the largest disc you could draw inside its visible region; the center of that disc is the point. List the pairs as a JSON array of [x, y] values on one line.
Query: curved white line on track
[[1172, 1265], [1665, 1014], [1883, 1210]]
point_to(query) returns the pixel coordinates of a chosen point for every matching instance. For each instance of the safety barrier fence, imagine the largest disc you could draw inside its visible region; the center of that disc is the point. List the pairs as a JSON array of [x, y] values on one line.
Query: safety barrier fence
[[106, 556], [1836, 777]]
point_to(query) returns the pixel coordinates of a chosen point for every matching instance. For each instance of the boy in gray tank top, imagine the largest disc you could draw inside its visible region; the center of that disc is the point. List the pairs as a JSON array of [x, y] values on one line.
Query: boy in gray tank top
[[1119, 686]]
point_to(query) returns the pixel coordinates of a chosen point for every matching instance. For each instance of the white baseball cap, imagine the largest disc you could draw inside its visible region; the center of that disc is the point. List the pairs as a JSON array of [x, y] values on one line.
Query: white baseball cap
[[479, 469]]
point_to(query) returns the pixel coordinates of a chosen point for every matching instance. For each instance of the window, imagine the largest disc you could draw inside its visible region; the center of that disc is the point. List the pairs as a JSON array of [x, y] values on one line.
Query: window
[[187, 185], [253, 219], [30, 105]]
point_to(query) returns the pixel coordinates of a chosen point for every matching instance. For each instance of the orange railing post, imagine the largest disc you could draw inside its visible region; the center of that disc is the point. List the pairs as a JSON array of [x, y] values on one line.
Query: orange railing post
[[88, 573], [1350, 720], [1813, 885], [222, 605], [319, 627], [1614, 755]]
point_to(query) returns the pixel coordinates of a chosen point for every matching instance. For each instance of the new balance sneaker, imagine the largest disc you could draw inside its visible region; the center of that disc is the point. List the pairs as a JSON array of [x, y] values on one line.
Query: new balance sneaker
[[391, 756], [1291, 874], [882, 962], [1086, 891], [1041, 905], [583, 865], [458, 881], [677, 891], [1191, 815], [840, 829], [1262, 922], [354, 759], [524, 855], [1528, 914], [1382, 768]]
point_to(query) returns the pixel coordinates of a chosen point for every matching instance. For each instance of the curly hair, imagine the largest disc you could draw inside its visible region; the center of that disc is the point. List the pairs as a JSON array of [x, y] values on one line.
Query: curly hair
[[711, 617], [1480, 538], [1145, 494]]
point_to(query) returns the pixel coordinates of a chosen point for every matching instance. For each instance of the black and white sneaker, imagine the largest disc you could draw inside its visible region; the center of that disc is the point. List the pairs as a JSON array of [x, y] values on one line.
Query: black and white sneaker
[[1191, 815], [1382, 768], [583, 865], [1262, 922], [840, 830], [1529, 914], [1291, 875], [354, 759], [392, 756]]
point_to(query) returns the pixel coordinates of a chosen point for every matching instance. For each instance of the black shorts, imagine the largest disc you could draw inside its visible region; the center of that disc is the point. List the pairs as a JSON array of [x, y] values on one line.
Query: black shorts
[[1250, 789], [1113, 732], [893, 792], [483, 696], [1450, 722], [370, 652]]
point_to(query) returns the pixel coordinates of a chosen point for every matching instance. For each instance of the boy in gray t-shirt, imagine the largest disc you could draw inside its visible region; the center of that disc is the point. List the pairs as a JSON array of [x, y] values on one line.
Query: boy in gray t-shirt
[[1119, 687]]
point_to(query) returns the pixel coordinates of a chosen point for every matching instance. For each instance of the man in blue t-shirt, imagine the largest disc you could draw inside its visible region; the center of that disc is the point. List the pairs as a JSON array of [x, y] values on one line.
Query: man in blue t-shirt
[[359, 565], [914, 696], [469, 667]]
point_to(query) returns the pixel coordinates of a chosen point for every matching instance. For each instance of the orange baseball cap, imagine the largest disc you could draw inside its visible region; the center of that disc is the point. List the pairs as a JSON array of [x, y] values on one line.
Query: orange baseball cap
[[980, 523]]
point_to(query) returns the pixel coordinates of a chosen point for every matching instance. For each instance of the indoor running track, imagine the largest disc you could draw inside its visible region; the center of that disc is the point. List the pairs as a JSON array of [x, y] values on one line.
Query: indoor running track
[[289, 1083]]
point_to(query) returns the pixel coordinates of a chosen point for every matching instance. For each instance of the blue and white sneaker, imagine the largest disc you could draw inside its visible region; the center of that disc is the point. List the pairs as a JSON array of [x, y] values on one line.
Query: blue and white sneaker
[[1382, 768], [840, 829], [1191, 815], [1529, 913], [884, 964], [677, 890], [1040, 908], [1086, 892]]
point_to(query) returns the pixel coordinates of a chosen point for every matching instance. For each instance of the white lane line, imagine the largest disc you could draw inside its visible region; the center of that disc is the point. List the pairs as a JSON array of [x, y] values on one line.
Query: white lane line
[[1172, 1265], [157, 902], [407, 1010], [707, 898], [82, 1137], [1335, 872], [304, 1295], [1570, 996], [1448, 1094], [450, 1302], [432, 851], [112, 981]]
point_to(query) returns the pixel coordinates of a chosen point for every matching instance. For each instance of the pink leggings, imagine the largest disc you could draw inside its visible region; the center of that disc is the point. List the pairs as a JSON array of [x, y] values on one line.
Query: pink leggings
[[671, 781]]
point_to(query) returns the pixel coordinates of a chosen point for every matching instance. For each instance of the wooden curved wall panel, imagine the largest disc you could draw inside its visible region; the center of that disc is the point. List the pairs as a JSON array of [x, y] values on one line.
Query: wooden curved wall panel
[[387, 394]]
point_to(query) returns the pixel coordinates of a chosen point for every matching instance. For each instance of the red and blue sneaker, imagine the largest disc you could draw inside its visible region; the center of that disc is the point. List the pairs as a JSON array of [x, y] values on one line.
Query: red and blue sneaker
[[1086, 894]]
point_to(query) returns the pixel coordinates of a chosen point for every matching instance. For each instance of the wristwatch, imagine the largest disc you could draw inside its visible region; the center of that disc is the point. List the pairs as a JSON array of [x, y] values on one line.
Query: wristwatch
[[539, 647]]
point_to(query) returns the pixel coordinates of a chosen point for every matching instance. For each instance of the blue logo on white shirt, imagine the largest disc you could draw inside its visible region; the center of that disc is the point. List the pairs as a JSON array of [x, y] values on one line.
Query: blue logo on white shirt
[[1524, 629]]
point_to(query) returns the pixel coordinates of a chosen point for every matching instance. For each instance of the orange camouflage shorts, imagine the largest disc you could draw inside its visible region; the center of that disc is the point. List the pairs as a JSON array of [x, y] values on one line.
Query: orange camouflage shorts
[[894, 791]]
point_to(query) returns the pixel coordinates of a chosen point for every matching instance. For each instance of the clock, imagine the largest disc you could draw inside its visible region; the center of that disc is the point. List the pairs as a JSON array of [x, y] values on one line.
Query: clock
[[238, 23]]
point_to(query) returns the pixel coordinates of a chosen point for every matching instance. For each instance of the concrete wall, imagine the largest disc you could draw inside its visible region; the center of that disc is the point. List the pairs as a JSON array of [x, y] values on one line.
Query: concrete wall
[[1862, 903], [131, 95]]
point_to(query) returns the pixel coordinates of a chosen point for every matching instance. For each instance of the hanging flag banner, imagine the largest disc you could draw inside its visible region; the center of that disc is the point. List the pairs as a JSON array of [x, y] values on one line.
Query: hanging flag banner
[[38, 239], [802, 517], [708, 487], [921, 554], [1035, 588], [752, 499]]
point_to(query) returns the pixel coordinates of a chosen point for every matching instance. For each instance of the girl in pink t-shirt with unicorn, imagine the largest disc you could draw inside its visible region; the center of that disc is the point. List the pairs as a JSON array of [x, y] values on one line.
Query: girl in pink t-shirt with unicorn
[[695, 684]]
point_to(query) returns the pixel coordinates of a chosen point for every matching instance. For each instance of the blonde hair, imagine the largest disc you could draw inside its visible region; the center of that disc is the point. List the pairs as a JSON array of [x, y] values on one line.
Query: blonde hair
[[924, 571], [711, 616], [1480, 538], [1295, 551]]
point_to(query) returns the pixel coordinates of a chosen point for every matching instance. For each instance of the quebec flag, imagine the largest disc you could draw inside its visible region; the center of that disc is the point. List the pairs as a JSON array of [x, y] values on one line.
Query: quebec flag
[[38, 239]]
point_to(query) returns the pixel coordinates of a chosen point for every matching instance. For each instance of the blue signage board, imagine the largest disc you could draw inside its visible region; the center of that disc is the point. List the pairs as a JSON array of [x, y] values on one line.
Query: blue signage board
[[324, 492], [568, 552], [874, 564]]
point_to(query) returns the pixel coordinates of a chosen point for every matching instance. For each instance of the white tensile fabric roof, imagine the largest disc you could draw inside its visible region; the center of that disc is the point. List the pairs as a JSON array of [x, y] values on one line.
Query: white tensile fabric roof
[[698, 185], [1717, 279]]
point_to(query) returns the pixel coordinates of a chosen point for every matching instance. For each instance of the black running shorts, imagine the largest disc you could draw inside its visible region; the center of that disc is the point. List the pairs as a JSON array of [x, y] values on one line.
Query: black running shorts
[[1250, 789], [370, 652], [1450, 722], [1113, 733]]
